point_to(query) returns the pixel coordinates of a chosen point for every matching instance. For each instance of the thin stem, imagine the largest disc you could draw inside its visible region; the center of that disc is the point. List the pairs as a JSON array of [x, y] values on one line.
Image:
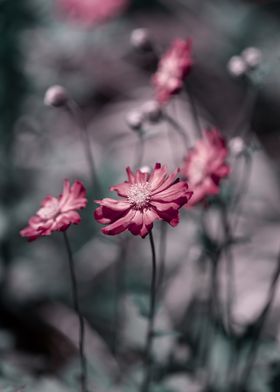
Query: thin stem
[[78, 311], [260, 324], [177, 127], [139, 151], [120, 287], [162, 253], [229, 267], [149, 340], [75, 111], [194, 113]]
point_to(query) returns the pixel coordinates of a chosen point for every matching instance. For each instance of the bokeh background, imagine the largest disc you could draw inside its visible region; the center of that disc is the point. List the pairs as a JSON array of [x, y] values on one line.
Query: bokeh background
[[44, 43]]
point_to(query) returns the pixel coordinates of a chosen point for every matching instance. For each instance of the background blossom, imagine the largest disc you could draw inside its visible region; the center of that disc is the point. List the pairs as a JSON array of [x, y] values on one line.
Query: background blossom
[[91, 12], [173, 68], [205, 165], [57, 214]]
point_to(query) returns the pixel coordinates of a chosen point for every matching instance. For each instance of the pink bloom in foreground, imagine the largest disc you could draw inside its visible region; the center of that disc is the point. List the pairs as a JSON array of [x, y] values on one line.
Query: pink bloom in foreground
[[205, 166], [145, 198], [173, 68], [92, 12], [57, 214]]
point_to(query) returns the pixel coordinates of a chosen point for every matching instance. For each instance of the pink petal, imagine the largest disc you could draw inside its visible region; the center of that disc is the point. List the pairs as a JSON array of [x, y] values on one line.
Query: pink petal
[[157, 176], [120, 225], [121, 189], [136, 223], [74, 197]]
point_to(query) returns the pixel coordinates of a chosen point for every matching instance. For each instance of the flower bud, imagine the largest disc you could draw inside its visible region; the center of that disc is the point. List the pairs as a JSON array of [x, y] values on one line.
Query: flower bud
[[236, 145], [252, 57], [140, 39], [135, 120], [145, 169], [55, 96], [237, 66], [152, 111]]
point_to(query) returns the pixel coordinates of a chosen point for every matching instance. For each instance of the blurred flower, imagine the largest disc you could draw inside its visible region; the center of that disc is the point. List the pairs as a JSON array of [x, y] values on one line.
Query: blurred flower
[[237, 66], [92, 12], [140, 39], [57, 214], [152, 111], [252, 57], [173, 68], [236, 145], [55, 96], [146, 198], [135, 120], [205, 165]]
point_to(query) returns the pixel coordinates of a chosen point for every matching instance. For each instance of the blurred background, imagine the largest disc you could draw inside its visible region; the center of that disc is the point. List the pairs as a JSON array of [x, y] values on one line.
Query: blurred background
[[89, 48]]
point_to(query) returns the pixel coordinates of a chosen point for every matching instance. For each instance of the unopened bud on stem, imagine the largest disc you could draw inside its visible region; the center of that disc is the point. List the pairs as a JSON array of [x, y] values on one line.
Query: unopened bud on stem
[[56, 96], [140, 39], [135, 120]]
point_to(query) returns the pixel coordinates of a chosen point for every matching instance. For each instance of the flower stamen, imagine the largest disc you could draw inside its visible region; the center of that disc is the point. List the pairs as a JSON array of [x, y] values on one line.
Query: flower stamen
[[139, 195]]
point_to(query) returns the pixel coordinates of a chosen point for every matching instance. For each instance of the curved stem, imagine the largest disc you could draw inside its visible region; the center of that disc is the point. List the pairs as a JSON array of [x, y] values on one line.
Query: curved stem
[[260, 324], [177, 127], [78, 311], [149, 340], [195, 114], [75, 111]]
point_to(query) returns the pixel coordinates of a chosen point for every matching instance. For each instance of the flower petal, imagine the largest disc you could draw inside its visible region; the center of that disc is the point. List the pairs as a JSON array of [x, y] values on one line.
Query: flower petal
[[119, 225]]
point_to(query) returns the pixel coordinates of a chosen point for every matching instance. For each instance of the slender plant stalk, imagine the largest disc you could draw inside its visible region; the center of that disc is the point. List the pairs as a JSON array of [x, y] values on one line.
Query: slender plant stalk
[[83, 361], [75, 112], [194, 113], [162, 254], [149, 340], [139, 151], [177, 127], [260, 324], [229, 268], [120, 287]]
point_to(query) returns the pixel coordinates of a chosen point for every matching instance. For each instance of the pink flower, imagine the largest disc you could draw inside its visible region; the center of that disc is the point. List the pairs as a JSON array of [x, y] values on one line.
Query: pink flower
[[205, 165], [92, 12], [173, 68], [145, 198], [57, 214]]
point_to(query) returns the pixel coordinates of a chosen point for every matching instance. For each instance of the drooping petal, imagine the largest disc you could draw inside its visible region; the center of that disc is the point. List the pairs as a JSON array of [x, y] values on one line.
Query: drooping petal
[[119, 225], [136, 223]]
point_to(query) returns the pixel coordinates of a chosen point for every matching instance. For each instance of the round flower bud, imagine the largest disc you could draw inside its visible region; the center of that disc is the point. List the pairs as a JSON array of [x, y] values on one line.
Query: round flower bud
[[135, 120], [237, 66], [236, 145], [145, 169], [252, 57], [56, 96], [140, 39], [152, 111]]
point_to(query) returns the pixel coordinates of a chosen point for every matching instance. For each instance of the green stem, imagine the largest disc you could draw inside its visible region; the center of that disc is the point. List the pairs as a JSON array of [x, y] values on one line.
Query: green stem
[[76, 113], [149, 340], [83, 361], [260, 324], [162, 254]]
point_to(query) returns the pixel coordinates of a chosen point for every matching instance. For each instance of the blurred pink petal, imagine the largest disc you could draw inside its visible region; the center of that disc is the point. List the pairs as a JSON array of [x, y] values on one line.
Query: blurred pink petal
[[205, 166], [173, 68], [57, 214]]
